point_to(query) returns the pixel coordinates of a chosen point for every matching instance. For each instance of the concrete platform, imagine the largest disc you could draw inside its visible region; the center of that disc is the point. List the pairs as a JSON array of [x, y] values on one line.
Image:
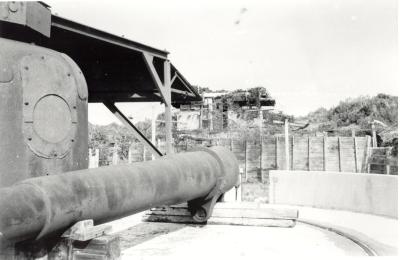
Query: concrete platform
[[318, 232]]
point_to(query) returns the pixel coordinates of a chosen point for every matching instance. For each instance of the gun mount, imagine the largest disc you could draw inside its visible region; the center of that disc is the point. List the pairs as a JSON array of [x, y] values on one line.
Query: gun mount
[[50, 68], [41, 206]]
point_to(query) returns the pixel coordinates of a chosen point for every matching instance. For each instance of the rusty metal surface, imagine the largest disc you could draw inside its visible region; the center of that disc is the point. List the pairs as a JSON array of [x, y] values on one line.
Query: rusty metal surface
[[40, 206], [41, 131]]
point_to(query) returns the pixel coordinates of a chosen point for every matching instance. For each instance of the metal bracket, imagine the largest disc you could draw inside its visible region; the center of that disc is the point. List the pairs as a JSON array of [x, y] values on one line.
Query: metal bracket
[[165, 89], [85, 230], [201, 209]]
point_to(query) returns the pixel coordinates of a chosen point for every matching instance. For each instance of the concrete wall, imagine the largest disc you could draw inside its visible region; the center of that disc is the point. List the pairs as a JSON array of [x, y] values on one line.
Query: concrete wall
[[358, 192]]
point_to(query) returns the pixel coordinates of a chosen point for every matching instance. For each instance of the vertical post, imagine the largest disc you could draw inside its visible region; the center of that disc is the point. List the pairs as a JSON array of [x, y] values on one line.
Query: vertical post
[[355, 154], [201, 117], [365, 166], [276, 153], [97, 155], [245, 160], [130, 154], [387, 160], [153, 127], [115, 155], [93, 158], [210, 115], [287, 159], [261, 164], [292, 160], [353, 133], [340, 155], [324, 152], [260, 115], [374, 141], [168, 106], [308, 153]]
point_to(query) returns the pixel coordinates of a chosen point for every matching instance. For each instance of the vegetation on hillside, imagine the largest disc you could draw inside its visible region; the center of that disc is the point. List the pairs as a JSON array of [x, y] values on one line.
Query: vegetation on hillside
[[357, 114], [359, 111], [352, 114]]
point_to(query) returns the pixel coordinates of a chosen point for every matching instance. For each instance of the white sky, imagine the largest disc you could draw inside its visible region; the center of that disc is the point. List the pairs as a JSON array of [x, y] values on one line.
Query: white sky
[[307, 53]]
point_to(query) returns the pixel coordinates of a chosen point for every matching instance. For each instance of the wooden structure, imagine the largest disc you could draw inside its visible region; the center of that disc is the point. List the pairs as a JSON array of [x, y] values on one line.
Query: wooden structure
[[342, 154], [379, 160], [248, 214]]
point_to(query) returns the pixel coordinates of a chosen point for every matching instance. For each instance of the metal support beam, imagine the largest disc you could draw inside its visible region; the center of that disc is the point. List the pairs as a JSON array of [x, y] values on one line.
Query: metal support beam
[[173, 78], [149, 62], [154, 151], [165, 90], [168, 107], [92, 33]]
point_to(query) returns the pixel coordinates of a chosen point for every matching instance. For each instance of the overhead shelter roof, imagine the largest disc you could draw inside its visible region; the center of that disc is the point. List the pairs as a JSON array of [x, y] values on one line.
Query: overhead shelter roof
[[114, 67]]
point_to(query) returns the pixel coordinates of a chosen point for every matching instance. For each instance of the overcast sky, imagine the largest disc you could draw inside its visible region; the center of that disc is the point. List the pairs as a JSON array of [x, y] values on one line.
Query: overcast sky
[[307, 53]]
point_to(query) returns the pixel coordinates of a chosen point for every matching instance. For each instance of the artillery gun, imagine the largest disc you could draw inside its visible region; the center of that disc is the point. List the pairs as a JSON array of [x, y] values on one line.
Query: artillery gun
[[50, 68]]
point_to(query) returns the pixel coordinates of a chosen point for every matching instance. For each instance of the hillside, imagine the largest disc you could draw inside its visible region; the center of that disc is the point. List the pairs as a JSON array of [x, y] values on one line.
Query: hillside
[[349, 115], [359, 111], [357, 114]]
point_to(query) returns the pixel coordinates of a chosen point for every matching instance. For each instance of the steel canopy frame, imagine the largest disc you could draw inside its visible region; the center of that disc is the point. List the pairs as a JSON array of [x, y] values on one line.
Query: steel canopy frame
[[57, 21], [116, 69], [164, 87]]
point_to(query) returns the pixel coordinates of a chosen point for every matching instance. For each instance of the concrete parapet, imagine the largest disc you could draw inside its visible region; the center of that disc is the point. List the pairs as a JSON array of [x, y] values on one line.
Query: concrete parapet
[[357, 192]]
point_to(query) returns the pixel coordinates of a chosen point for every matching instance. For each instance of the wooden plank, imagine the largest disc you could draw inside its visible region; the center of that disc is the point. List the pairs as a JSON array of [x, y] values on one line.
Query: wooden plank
[[340, 157], [366, 154], [268, 156], [78, 255], [245, 161], [169, 212], [324, 152], [260, 156], [253, 222], [253, 161], [276, 154], [382, 161], [316, 154], [84, 230], [271, 213], [332, 159], [308, 153], [104, 247], [300, 154], [292, 161], [355, 153], [168, 219], [228, 213]]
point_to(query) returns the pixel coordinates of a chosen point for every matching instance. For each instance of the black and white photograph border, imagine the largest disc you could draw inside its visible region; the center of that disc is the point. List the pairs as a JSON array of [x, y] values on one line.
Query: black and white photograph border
[[176, 129]]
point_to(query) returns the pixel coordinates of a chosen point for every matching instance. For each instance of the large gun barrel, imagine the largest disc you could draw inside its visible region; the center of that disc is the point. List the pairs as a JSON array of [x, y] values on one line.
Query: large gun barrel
[[41, 206]]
